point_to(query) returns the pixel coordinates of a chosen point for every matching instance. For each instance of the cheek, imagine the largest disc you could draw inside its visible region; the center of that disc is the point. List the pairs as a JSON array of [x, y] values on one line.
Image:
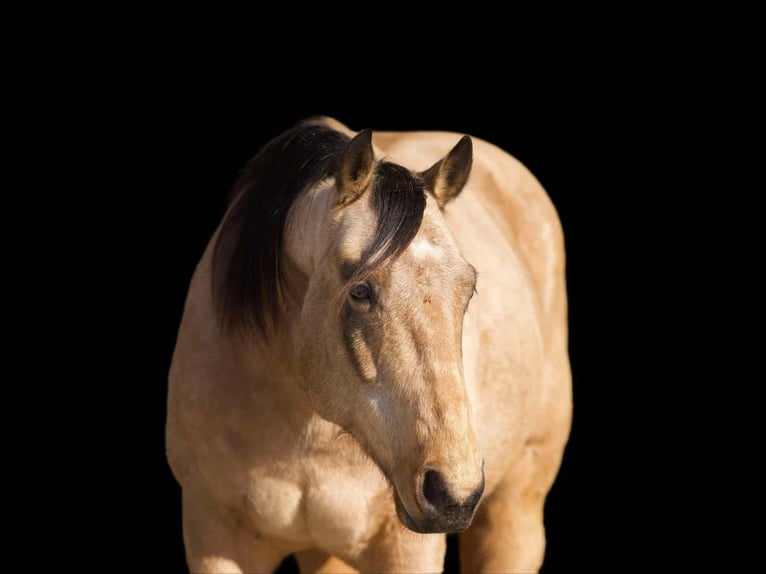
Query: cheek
[[323, 381], [326, 374], [316, 340], [318, 357]]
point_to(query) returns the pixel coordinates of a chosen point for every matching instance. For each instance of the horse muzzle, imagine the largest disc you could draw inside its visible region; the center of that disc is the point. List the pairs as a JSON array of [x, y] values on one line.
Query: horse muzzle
[[440, 509]]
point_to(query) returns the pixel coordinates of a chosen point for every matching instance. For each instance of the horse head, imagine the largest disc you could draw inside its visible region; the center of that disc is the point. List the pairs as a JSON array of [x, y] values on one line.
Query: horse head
[[380, 290]]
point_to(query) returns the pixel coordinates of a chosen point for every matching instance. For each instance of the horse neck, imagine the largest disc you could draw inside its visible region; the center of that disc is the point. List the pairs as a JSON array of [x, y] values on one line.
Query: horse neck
[[240, 363], [274, 349]]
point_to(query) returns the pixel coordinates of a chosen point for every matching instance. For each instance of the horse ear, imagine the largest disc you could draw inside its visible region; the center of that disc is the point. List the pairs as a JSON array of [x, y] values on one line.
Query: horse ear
[[447, 177], [356, 167]]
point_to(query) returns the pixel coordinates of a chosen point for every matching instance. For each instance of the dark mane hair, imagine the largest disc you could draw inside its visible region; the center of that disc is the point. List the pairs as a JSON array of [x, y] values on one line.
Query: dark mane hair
[[248, 281], [399, 200]]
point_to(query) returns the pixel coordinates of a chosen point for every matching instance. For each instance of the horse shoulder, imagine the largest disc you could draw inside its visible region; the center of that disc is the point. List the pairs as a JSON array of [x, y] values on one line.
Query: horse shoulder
[[210, 389]]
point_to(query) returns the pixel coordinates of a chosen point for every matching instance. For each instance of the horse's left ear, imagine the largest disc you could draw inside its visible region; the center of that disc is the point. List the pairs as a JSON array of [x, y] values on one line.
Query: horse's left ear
[[447, 177]]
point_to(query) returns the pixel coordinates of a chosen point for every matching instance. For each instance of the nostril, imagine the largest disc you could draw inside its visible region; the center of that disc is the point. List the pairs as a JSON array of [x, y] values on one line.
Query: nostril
[[435, 489], [442, 510]]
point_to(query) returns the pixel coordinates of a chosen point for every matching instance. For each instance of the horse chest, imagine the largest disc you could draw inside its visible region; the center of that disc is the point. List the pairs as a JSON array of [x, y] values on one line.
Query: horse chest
[[315, 501]]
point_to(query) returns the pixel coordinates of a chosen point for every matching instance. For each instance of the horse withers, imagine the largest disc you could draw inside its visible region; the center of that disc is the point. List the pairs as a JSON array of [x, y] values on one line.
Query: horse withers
[[373, 353]]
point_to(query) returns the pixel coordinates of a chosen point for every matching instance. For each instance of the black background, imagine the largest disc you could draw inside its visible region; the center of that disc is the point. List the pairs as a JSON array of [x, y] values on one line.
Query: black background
[[172, 147], [123, 133]]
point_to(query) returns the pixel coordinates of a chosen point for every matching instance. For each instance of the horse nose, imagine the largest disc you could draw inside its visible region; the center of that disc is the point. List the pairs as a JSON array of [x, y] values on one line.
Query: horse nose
[[447, 512]]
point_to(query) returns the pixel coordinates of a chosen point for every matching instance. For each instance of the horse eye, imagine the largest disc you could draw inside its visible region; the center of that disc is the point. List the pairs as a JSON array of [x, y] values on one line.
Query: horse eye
[[360, 292]]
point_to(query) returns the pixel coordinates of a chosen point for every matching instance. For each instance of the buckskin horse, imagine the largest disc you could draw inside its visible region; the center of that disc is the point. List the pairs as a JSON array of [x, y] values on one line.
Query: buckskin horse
[[373, 353]]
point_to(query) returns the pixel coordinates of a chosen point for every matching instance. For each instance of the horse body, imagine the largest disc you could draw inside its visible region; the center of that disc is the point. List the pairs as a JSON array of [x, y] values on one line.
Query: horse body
[[374, 409]]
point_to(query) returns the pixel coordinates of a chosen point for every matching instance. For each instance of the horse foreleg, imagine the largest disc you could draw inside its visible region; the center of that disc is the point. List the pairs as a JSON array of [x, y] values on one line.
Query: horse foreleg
[[507, 534], [216, 542], [396, 549]]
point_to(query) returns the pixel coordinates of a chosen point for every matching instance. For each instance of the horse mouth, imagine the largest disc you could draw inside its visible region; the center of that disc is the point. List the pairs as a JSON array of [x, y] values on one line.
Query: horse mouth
[[426, 525], [407, 520]]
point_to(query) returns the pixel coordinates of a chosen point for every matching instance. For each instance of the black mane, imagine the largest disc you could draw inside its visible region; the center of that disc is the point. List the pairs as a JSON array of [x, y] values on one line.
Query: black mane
[[247, 270]]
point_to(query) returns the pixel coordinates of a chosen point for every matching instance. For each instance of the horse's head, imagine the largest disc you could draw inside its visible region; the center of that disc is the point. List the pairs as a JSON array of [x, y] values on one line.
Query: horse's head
[[378, 336]]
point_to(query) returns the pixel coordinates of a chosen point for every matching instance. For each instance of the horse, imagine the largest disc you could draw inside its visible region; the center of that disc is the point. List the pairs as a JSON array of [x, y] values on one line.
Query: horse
[[373, 355]]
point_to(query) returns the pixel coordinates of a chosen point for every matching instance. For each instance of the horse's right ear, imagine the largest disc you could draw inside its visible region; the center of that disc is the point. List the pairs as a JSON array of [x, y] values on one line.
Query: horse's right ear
[[356, 167], [447, 177]]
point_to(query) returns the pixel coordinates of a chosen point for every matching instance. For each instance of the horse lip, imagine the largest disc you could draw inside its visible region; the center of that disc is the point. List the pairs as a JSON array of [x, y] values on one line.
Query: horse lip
[[426, 526], [406, 519]]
